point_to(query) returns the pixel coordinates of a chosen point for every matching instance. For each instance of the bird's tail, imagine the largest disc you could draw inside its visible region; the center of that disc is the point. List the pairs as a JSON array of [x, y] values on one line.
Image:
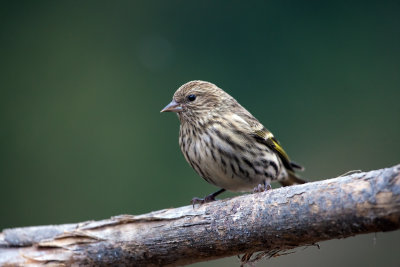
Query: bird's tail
[[291, 179]]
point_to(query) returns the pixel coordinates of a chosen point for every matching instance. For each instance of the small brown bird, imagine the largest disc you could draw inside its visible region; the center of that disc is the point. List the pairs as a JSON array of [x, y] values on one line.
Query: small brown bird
[[225, 144]]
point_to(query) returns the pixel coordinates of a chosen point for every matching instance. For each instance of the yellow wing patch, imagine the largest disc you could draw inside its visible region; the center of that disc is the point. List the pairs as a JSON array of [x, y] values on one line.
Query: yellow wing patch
[[279, 148], [272, 143], [264, 134]]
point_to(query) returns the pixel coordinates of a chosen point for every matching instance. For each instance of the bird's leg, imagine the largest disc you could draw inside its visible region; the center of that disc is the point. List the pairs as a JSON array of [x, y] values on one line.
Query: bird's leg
[[207, 199], [262, 187]]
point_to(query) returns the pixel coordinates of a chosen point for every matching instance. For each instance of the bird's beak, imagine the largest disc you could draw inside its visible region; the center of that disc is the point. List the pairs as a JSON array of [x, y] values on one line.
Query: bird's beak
[[172, 107]]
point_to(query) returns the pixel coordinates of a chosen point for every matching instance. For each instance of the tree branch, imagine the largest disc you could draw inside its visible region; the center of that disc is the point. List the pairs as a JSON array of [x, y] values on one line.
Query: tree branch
[[272, 221]]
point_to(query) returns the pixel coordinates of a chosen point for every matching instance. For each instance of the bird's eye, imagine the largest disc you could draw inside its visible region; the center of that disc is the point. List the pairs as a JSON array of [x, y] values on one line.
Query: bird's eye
[[191, 97]]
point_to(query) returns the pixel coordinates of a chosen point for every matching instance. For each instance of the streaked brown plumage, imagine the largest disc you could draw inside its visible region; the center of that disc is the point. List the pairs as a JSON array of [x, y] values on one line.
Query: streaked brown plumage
[[225, 144]]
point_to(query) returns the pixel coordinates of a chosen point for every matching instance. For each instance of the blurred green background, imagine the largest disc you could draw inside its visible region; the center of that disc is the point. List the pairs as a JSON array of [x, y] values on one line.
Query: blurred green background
[[82, 84]]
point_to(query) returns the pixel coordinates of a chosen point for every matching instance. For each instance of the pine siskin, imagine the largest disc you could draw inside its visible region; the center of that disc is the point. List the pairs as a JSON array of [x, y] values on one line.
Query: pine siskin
[[225, 144]]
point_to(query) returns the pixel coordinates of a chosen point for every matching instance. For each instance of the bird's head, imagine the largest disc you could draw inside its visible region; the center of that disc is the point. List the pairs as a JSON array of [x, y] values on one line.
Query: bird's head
[[199, 101]]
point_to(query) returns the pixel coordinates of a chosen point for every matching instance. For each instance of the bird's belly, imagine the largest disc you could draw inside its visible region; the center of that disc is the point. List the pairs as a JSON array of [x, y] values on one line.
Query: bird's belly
[[227, 179], [221, 175], [229, 169]]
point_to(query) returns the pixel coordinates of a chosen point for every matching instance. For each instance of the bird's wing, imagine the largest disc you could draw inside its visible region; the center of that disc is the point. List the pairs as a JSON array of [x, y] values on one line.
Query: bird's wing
[[262, 135], [266, 137]]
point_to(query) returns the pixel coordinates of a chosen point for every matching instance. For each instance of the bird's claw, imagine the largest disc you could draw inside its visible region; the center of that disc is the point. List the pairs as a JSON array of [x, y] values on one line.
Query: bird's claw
[[200, 201], [261, 188]]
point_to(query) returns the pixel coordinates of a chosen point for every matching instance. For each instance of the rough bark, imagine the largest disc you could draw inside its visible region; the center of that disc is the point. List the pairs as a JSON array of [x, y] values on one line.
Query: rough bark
[[272, 221]]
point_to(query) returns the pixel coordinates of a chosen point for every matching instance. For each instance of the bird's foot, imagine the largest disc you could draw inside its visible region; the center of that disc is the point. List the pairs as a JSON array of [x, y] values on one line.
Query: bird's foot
[[196, 200], [209, 198], [262, 187]]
